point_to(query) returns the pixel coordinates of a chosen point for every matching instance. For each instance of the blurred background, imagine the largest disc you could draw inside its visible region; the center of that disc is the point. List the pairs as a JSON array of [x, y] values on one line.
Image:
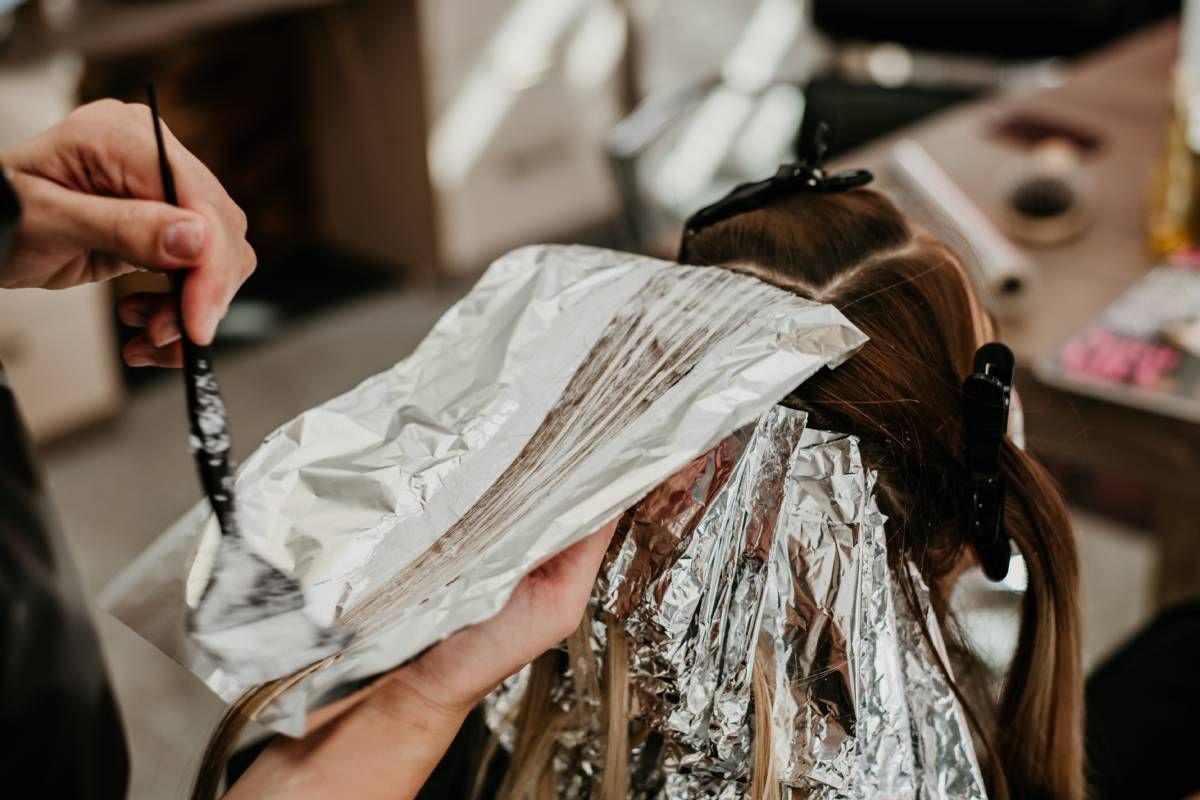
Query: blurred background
[[387, 150]]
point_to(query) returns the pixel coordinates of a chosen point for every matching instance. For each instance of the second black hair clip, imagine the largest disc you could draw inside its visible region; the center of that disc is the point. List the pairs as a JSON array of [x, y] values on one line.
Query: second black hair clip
[[987, 394]]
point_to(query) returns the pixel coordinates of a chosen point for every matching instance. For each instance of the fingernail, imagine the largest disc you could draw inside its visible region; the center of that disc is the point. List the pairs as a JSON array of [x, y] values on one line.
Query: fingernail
[[183, 239], [136, 318], [136, 355], [167, 332], [138, 352]]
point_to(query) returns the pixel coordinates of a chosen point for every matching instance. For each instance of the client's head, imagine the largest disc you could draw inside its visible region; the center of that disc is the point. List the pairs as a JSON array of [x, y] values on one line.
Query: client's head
[[901, 396]]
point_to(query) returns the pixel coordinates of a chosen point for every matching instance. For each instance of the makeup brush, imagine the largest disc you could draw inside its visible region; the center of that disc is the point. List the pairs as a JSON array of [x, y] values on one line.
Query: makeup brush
[[251, 616]]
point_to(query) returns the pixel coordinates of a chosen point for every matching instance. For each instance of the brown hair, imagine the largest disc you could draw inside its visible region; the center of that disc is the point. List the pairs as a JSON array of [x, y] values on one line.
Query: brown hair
[[901, 395]]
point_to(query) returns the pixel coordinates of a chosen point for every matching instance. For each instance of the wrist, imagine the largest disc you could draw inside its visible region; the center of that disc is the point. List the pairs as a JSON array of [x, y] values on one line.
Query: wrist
[[382, 747], [413, 693]]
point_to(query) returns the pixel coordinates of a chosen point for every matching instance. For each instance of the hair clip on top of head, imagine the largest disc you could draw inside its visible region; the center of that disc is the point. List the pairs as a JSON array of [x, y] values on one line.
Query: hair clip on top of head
[[806, 175], [986, 396]]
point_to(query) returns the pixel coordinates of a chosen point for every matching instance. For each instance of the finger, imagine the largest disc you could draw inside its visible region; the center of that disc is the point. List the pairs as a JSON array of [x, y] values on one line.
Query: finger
[[141, 352], [208, 290], [121, 136], [557, 592], [136, 309], [142, 232], [106, 267], [163, 327], [590, 550], [582, 548], [573, 571]]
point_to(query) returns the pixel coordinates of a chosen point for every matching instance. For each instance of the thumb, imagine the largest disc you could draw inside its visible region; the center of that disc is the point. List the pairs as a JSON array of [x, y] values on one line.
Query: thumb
[[144, 233]]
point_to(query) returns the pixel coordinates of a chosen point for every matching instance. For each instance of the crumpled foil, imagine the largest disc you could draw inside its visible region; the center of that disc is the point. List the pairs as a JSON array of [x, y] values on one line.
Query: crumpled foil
[[768, 553], [562, 388]]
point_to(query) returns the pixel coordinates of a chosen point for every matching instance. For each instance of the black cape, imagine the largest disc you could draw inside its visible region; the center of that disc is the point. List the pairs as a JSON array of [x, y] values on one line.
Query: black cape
[[61, 728]]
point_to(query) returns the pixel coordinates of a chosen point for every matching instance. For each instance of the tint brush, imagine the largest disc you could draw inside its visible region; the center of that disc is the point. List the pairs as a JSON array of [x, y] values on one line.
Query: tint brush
[[244, 588]]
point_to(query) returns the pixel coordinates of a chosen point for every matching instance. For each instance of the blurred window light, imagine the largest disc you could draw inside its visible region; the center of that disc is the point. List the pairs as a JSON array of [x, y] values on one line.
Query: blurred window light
[[596, 47], [702, 147], [709, 137], [890, 64], [524, 46], [461, 134], [755, 59], [766, 140], [519, 55]]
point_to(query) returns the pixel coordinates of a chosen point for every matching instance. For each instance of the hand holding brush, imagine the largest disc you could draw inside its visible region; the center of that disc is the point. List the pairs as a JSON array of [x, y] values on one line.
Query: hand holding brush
[[243, 589]]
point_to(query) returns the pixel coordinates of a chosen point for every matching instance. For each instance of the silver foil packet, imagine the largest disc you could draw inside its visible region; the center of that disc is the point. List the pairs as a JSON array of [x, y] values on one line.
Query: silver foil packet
[[768, 553], [562, 388]]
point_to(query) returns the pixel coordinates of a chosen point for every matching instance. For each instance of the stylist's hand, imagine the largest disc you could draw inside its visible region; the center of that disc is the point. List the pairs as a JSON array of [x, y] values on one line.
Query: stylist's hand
[[545, 609], [91, 196], [384, 741]]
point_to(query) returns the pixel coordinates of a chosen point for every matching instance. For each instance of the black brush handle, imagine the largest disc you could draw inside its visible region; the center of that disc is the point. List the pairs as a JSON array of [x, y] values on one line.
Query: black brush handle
[[208, 430]]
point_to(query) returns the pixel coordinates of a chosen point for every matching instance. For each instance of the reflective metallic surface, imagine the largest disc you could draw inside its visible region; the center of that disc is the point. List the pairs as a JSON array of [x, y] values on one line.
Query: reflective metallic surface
[[568, 383], [768, 554]]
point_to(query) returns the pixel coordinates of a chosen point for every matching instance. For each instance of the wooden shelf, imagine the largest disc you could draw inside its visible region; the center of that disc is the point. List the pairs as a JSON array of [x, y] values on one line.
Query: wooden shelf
[[107, 28]]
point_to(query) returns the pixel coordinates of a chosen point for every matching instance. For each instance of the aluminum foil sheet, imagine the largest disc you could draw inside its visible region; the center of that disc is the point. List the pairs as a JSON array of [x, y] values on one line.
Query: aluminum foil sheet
[[562, 388], [768, 553]]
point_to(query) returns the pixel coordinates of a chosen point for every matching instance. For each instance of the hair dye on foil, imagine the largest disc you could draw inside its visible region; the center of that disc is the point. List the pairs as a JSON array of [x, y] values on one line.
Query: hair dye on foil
[[562, 388], [768, 553]]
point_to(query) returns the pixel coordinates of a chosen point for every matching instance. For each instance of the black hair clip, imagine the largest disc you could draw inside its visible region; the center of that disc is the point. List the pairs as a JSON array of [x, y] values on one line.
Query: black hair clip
[[986, 395], [806, 175]]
